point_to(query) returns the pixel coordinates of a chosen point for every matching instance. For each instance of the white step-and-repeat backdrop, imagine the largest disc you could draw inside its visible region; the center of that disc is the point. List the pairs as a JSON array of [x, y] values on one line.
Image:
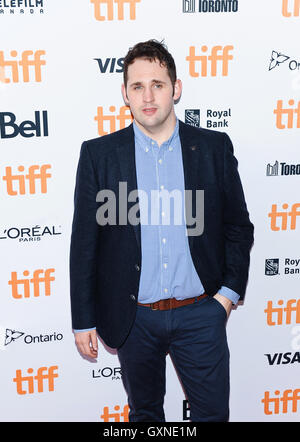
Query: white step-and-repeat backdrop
[[61, 68]]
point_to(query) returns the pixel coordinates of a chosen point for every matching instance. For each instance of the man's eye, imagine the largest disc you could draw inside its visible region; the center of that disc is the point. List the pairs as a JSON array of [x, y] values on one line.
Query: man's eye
[[137, 87], [159, 86]]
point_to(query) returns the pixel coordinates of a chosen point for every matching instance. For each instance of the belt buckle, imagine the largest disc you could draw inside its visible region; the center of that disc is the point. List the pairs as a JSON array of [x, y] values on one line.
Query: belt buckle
[[152, 306]]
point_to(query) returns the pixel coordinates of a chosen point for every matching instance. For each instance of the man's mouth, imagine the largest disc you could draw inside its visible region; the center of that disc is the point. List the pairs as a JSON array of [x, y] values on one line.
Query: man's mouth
[[149, 110]]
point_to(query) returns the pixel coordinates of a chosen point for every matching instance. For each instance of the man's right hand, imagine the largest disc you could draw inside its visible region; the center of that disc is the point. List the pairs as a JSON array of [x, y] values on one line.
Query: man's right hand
[[87, 343]]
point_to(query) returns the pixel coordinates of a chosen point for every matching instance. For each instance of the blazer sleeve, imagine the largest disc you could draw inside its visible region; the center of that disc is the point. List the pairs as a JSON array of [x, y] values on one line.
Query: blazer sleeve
[[84, 244], [238, 230]]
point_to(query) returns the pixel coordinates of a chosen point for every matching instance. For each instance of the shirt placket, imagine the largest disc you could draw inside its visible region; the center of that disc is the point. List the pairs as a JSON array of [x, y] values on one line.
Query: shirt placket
[[163, 237]]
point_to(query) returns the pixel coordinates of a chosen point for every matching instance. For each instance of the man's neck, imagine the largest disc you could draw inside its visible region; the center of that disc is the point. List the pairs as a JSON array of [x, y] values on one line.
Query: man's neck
[[161, 134]]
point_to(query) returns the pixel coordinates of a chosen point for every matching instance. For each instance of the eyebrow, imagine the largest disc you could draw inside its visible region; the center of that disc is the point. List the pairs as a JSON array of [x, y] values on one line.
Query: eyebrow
[[138, 83]]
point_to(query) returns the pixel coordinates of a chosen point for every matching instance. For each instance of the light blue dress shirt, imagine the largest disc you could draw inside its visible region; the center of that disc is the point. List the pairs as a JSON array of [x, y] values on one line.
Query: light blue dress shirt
[[167, 268]]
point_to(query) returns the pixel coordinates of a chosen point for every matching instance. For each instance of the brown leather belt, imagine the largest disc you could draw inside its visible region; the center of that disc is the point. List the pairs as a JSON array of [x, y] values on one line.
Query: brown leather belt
[[167, 304]]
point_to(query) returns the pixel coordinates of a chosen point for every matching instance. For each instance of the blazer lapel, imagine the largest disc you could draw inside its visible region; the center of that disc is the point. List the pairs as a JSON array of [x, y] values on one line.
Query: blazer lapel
[[126, 156], [190, 157]]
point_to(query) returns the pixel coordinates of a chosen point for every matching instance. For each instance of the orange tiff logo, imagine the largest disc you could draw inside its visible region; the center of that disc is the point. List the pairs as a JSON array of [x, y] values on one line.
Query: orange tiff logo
[[283, 313], [109, 8], [40, 278], [291, 8], [288, 219], [32, 384], [116, 415], [219, 56], [124, 118], [19, 66], [287, 117], [281, 403], [35, 174]]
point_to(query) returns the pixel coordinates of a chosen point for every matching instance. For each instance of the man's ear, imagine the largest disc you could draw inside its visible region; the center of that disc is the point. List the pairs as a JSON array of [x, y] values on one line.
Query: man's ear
[[177, 90], [124, 94]]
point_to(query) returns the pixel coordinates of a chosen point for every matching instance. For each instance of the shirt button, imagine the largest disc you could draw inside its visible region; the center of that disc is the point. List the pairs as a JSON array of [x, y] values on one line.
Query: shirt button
[[162, 213], [137, 267], [166, 290], [146, 149], [160, 161], [164, 240], [132, 297], [162, 186], [165, 265], [170, 149]]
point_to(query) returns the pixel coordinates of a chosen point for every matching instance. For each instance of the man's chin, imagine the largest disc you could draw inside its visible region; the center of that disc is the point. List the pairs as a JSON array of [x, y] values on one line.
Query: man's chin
[[148, 123]]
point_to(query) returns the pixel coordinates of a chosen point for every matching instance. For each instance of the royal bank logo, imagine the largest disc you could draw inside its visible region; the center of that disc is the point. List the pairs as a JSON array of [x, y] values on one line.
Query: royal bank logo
[[204, 6], [212, 118], [279, 59], [272, 266], [290, 266], [22, 7], [192, 117]]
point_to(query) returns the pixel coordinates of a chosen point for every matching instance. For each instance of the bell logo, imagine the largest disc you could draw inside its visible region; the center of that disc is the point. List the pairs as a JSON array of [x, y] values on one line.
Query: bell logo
[[29, 384], [109, 7], [27, 129], [290, 113], [218, 54], [291, 8], [35, 173], [28, 59], [281, 404], [283, 315], [124, 117], [40, 277], [284, 215], [106, 416]]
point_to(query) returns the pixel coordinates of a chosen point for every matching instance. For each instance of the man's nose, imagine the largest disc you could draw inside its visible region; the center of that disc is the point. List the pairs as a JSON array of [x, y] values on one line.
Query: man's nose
[[148, 94]]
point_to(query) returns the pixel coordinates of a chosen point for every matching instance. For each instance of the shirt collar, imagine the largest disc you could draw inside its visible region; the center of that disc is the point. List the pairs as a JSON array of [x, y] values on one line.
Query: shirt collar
[[147, 143]]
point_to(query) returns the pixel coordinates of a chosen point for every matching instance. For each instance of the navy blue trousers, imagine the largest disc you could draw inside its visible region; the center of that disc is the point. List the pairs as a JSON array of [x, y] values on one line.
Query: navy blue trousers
[[195, 337]]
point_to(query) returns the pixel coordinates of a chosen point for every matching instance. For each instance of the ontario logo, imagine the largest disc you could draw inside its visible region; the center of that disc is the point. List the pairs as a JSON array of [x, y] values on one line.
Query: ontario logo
[[278, 59], [10, 336]]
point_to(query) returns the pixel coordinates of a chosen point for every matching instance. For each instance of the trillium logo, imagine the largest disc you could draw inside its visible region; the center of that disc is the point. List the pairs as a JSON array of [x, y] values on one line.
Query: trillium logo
[[12, 335], [276, 59]]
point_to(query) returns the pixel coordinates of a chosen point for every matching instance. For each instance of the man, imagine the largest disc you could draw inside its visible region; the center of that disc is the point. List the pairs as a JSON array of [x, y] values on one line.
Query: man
[[153, 288]]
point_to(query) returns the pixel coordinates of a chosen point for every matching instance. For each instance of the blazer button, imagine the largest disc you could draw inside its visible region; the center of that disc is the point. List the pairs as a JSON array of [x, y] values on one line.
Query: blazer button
[[137, 267], [132, 297]]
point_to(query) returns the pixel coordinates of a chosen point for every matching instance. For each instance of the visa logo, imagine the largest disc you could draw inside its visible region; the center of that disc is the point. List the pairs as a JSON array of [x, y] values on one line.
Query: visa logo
[[110, 65]]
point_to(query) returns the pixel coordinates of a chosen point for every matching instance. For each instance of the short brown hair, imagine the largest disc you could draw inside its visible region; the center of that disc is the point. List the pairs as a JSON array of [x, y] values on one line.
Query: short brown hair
[[151, 50]]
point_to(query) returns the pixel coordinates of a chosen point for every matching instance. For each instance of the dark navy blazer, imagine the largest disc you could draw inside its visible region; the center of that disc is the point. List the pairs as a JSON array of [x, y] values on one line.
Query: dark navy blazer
[[105, 261]]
